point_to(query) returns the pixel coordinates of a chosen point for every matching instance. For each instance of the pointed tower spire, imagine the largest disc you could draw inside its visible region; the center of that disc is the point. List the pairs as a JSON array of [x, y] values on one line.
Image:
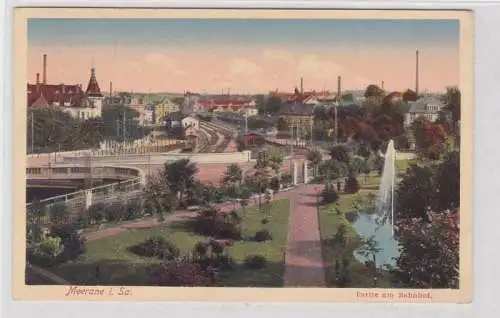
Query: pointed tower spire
[[93, 87]]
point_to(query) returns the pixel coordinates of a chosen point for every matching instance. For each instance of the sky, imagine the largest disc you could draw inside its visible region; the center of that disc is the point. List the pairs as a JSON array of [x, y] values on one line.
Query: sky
[[244, 55]]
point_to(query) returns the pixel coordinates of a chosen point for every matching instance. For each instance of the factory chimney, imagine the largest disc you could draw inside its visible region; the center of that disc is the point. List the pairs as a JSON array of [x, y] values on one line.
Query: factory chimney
[[45, 69], [301, 85], [339, 86], [417, 53]]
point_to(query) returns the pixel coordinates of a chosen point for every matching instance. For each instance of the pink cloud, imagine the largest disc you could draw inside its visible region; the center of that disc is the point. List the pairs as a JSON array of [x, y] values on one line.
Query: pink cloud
[[258, 69]]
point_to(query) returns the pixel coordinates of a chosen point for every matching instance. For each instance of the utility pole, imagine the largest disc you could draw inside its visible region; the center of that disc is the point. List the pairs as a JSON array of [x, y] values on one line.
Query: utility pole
[[124, 125], [311, 137]]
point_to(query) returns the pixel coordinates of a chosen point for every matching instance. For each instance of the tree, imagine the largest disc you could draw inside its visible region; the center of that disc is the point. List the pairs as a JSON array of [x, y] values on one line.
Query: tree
[[369, 248], [159, 200], [410, 96], [448, 181], [429, 138], [233, 175], [315, 158], [273, 105], [355, 165], [453, 101], [329, 194], [340, 153], [351, 185], [373, 91], [179, 176], [429, 251], [333, 169], [416, 191]]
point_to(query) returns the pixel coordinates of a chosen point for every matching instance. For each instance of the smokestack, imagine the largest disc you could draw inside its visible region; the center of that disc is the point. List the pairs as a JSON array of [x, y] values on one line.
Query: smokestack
[[417, 53], [110, 89], [301, 85], [339, 86], [382, 85], [45, 69], [37, 78]]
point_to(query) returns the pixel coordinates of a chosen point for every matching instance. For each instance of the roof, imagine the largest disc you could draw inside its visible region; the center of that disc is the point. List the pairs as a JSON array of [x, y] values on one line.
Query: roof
[[224, 103], [296, 109], [93, 87], [61, 94]]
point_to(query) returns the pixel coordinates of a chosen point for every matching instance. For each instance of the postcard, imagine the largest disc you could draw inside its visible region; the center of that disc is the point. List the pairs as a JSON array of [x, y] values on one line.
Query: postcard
[[243, 155]]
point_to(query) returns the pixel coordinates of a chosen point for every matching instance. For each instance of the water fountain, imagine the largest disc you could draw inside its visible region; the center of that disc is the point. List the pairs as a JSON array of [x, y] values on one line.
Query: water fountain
[[384, 208], [380, 224]]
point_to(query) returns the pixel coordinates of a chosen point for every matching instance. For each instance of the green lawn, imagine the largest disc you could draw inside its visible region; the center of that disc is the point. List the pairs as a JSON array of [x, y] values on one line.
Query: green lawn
[[118, 266], [273, 251]]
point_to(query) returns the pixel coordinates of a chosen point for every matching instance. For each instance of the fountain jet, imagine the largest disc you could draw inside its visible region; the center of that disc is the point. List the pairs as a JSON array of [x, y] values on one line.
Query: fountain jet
[[385, 200]]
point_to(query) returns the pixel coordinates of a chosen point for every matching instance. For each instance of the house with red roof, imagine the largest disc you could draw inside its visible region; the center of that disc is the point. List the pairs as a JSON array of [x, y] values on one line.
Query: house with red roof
[[230, 104], [73, 99]]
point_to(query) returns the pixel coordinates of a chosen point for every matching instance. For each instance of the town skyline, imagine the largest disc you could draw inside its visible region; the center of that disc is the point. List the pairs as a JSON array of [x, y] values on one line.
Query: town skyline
[[240, 56]]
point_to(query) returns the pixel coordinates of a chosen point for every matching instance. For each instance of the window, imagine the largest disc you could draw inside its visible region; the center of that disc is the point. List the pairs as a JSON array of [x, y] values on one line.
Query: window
[[60, 170], [33, 170]]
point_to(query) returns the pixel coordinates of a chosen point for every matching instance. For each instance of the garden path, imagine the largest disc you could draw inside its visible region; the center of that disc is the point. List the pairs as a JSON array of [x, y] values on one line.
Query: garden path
[[304, 266]]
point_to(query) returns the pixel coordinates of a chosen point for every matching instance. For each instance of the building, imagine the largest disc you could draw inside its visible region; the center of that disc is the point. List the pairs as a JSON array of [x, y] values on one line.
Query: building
[[190, 122], [230, 104], [430, 108], [71, 99], [164, 108], [299, 117]]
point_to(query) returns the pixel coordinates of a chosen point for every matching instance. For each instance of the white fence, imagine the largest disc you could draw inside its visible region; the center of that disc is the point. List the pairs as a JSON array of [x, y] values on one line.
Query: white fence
[[76, 201], [66, 172], [161, 158]]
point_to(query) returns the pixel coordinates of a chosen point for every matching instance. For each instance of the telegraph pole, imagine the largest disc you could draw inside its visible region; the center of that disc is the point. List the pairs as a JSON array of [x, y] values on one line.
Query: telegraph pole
[[124, 125]]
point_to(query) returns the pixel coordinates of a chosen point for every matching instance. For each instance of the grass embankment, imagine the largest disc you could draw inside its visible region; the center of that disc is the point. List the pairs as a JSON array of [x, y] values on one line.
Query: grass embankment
[[118, 266]]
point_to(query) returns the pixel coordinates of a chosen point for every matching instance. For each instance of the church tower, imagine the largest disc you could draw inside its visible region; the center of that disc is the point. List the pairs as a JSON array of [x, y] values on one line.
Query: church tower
[[94, 95]]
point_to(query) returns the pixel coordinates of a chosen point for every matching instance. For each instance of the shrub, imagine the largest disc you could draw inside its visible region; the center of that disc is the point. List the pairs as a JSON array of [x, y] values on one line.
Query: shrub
[[262, 236], [329, 194], [114, 212], [275, 184], [156, 246], [74, 244], [286, 179], [200, 249], [351, 185], [179, 272], [95, 212], [255, 262], [45, 253], [213, 223], [133, 209]]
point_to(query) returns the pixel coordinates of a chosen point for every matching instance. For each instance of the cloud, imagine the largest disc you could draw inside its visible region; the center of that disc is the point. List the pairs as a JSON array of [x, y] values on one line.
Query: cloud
[[311, 65], [155, 62], [241, 66], [274, 55]]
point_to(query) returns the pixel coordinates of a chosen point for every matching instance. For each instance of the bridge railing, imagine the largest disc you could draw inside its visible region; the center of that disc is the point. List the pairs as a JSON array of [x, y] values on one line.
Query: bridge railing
[[81, 200], [67, 172]]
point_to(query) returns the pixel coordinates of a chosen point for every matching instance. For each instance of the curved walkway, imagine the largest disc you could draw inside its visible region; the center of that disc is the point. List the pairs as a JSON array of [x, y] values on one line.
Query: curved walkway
[[304, 266]]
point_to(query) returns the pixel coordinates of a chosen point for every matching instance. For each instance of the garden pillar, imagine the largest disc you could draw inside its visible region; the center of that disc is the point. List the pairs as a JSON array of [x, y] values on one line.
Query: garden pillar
[[306, 172], [294, 167], [88, 198]]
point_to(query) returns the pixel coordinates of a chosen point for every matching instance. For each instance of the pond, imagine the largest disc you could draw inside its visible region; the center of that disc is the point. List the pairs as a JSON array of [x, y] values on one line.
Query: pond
[[366, 225]]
